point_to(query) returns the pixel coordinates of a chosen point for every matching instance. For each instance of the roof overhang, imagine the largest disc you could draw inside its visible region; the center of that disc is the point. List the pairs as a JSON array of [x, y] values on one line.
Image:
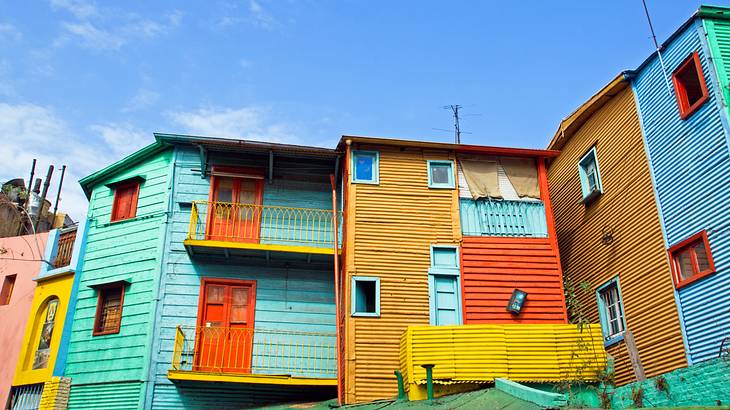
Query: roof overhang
[[460, 148], [247, 146], [572, 123]]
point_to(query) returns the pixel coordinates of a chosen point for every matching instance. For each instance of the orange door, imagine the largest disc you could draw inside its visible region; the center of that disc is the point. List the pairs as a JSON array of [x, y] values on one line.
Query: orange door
[[235, 214], [225, 335]]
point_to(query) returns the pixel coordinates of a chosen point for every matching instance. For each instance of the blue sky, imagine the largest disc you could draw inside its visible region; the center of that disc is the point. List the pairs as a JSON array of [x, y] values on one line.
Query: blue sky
[[85, 83]]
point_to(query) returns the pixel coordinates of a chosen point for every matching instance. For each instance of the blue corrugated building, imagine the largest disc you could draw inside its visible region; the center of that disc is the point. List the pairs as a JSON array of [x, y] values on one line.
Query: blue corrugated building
[[682, 95]]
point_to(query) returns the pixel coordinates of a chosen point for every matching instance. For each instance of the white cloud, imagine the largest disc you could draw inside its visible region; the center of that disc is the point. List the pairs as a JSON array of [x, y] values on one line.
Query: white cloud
[[92, 37], [9, 32], [142, 99], [245, 64], [112, 30], [261, 17], [34, 131], [251, 123], [79, 8]]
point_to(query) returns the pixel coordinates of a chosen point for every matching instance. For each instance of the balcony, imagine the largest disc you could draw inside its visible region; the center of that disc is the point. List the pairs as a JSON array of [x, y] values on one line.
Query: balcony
[[255, 356], [226, 226], [65, 249], [503, 218]]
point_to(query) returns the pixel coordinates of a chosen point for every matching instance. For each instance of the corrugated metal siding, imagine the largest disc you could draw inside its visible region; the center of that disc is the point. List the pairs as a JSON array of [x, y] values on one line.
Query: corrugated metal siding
[[107, 396], [125, 250], [519, 352], [492, 267], [227, 396], [394, 224], [691, 167], [628, 209]]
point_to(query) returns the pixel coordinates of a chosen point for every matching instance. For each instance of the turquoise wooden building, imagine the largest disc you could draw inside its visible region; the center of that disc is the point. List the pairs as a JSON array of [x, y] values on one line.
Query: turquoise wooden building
[[209, 277], [683, 101]]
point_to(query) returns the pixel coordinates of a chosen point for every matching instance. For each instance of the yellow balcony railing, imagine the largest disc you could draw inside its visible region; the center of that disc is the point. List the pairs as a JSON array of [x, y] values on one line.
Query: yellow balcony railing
[[266, 224], [226, 350]]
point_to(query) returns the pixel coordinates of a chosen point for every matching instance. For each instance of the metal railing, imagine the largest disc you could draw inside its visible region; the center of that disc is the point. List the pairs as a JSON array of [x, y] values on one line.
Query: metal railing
[[254, 351], [233, 222], [503, 218], [65, 249]]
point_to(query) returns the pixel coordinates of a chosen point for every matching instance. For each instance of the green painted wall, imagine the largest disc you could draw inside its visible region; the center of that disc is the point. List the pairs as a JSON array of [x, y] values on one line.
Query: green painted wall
[[703, 384], [129, 250], [718, 38]]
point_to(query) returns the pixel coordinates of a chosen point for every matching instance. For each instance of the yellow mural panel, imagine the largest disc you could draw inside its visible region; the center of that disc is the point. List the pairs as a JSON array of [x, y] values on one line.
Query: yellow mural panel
[[43, 331]]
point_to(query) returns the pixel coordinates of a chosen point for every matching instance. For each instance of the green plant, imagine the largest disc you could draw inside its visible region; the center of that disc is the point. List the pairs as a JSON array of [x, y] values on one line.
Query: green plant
[[637, 396], [661, 385]]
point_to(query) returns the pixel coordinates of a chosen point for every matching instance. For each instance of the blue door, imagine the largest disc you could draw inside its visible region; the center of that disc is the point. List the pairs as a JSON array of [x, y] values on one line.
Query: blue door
[[446, 302]]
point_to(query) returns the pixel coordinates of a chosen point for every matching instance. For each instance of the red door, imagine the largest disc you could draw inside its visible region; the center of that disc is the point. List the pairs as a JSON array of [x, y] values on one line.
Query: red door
[[235, 212], [225, 326]]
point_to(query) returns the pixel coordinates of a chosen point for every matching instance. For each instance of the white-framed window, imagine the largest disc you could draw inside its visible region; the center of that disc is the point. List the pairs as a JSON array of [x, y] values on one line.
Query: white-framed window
[[611, 311], [365, 167], [366, 296], [441, 174], [590, 176]]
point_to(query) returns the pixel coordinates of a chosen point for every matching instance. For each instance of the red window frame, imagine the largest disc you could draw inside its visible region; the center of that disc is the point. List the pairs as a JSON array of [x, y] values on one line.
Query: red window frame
[[688, 244], [7, 289], [124, 187], [680, 91], [101, 290]]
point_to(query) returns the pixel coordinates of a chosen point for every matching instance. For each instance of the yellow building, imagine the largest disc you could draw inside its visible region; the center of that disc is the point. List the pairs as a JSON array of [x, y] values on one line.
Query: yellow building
[[609, 234], [38, 380]]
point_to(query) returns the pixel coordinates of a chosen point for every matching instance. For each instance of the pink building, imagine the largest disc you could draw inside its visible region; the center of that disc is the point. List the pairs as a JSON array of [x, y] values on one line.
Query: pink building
[[20, 262]]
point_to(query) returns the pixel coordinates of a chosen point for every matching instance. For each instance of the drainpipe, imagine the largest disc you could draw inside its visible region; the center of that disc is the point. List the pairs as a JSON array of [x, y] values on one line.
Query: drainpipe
[[401, 386], [335, 240]]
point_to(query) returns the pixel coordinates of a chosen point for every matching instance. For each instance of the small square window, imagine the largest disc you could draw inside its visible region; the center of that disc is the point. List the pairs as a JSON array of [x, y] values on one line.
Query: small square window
[[125, 200], [365, 296], [109, 306], [689, 86], [590, 177], [441, 174], [365, 166], [611, 312], [7, 289], [691, 259]]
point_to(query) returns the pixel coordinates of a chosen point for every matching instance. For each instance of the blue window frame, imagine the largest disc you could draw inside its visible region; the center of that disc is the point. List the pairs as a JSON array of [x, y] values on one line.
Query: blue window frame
[[590, 176], [441, 174], [611, 312], [365, 167], [366, 296], [444, 286]]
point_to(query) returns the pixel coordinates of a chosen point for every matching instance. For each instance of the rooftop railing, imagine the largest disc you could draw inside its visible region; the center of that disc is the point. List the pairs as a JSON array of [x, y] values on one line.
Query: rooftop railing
[[65, 249], [503, 218]]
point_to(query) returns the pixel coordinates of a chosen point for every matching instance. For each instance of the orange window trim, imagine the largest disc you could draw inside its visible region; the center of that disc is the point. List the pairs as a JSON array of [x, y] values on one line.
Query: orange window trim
[[120, 191], [685, 109], [688, 244], [99, 302]]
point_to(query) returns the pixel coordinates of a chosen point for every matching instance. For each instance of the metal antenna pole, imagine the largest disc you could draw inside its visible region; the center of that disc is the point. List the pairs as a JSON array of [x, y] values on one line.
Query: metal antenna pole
[[58, 197], [457, 128], [43, 197], [656, 45]]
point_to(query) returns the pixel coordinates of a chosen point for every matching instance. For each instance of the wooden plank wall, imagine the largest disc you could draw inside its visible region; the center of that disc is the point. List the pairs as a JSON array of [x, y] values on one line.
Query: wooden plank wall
[[628, 209], [296, 296], [390, 229], [124, 250]]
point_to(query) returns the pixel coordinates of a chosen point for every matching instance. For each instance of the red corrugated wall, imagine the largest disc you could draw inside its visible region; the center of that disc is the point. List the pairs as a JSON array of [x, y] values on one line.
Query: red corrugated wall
[[492, 267]]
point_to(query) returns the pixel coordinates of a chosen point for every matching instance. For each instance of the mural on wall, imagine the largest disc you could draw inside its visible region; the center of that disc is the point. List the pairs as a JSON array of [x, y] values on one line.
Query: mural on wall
[[44, 343]]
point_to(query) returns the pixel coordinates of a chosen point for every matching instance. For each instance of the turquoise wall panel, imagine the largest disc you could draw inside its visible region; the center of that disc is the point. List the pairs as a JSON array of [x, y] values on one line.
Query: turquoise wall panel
[[110, 396], [690, 163], [127, 250]]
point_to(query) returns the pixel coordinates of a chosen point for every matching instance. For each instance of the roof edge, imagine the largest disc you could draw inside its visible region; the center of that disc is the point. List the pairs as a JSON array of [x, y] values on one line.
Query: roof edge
[[89, 181], [462, 148], [573, 122]]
